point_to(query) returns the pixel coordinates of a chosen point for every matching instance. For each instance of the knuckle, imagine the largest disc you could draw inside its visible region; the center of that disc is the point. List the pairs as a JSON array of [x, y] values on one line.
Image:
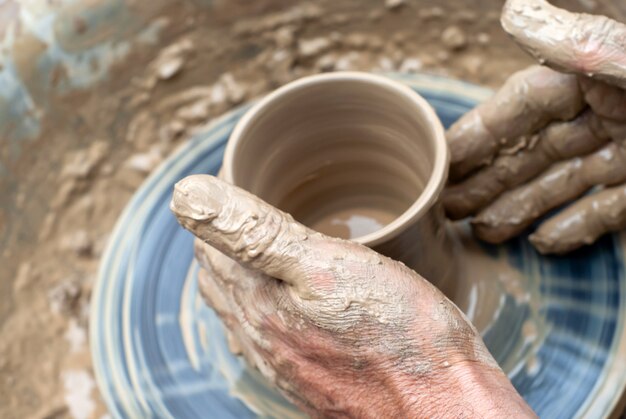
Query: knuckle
[[592, 44], [258, 233]]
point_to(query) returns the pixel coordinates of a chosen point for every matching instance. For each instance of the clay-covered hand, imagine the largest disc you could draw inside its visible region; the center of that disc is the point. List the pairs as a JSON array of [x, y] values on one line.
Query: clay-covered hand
[[548, 136], [341, 330]]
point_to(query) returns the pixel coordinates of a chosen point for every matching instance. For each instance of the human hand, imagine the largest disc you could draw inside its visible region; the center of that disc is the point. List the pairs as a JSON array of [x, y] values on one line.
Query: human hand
[[340, 329], [547, 137]]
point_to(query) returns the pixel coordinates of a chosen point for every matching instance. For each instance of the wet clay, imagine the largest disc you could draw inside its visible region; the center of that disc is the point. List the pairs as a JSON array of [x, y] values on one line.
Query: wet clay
[[527, 102], [558, 141], [245, 228], [513, 211], [342, 198], [353, 222], [353, 156], [589, 44], [583, 222], [502, 207], [492, 291], [324, 147]]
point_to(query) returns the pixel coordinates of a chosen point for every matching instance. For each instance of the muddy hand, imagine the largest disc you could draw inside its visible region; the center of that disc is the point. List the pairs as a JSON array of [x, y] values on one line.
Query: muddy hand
[[548, 136], [341, 330]]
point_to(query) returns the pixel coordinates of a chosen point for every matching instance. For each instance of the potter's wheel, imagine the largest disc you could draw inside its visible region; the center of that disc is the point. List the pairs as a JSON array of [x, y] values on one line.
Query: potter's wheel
[[555, 325]]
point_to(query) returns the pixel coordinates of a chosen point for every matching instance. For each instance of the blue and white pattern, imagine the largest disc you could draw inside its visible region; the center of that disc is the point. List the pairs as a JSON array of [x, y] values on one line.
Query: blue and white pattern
[[160, 352]]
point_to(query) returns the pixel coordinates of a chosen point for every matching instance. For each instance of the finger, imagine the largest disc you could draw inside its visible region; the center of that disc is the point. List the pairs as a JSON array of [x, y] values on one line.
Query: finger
[[528, 101], [242, 288], [583, 222], [213, 292], [238, 224], [261, 237], [243, 319], [616, 130], [215, 281], [226, 272], [213, 295], [200, 252], [573, 42], [558, 141], [212, 282], [513, 211], [466, 198], [606, 100]]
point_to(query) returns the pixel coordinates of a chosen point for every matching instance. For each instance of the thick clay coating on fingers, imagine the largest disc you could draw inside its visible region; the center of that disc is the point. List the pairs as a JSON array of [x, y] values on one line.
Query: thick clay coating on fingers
[[216, 281], [510, 214], [213, 294], [583, 222], [558, 141], [528, 101], [241, 226], [465, 199], [226, 272], [616, 130], [592, 45], [566, 140], [606, 101]]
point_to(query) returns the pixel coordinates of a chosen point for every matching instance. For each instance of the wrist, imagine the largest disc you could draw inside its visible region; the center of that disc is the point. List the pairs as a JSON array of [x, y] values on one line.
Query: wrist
[[463, 389]]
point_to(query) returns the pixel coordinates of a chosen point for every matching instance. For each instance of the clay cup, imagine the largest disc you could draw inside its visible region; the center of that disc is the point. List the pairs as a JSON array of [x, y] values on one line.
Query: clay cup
[[353, 155]]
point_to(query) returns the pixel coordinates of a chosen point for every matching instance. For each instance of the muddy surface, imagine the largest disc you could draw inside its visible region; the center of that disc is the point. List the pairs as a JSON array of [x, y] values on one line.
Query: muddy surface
[[61, 197]]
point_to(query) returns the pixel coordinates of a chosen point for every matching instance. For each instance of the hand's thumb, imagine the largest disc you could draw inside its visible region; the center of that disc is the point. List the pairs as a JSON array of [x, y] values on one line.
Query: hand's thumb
[[572, 42], [254, 233]]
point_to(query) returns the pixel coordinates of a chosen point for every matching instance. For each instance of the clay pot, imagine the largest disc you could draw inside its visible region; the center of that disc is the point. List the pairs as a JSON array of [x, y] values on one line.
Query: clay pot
[[354, 155]]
